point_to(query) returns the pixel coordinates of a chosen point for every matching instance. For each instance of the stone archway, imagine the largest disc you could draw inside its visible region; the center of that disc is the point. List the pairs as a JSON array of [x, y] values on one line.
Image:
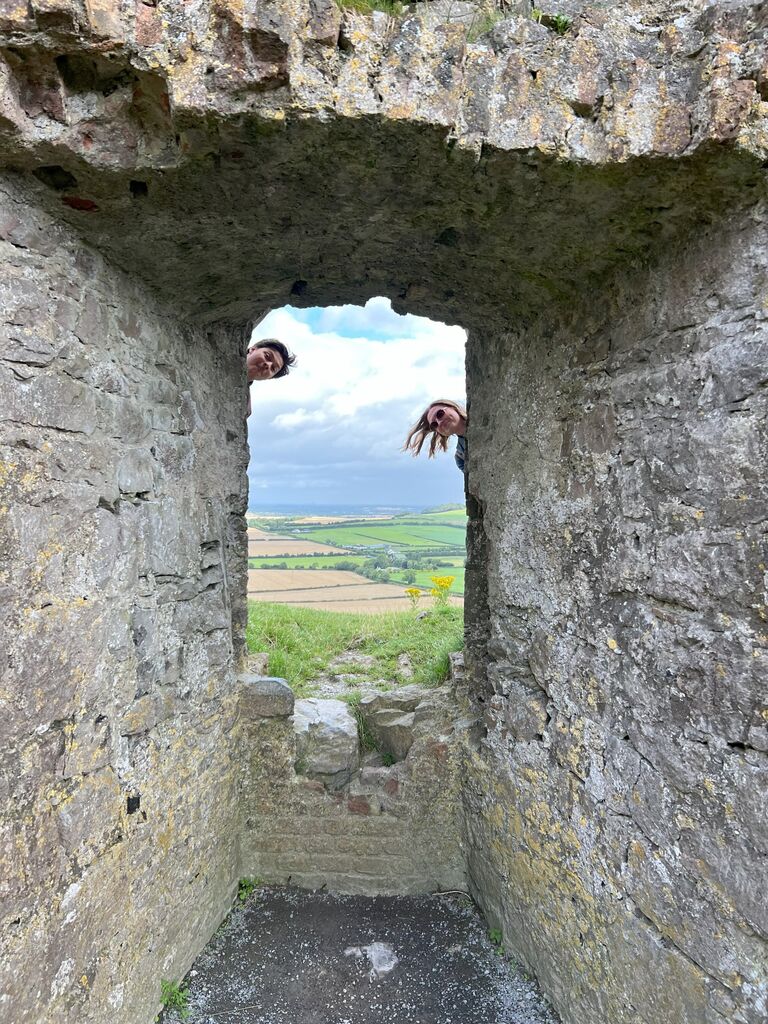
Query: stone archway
[[588, 206]]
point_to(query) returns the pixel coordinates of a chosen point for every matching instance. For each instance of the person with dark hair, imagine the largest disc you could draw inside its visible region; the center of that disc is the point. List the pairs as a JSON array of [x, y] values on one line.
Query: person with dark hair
[[268, 359], [442, 419]]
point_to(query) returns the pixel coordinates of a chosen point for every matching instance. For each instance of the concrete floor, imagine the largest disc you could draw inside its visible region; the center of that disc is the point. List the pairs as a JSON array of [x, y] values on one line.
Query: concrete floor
[[293, 957]]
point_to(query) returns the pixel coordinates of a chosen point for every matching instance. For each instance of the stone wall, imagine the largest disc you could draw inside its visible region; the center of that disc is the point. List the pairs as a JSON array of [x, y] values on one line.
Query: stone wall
[[619, 455], [386, 829], [122, 469], [201, 162]]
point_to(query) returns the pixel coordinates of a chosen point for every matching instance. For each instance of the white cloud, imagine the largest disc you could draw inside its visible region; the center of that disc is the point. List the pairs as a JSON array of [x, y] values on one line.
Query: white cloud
[[344, 375], [376, 319], [345, 409], [299, 418]]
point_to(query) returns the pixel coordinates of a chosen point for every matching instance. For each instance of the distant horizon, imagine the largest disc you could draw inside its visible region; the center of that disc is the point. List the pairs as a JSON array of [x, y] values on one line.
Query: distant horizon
[[342, 508]]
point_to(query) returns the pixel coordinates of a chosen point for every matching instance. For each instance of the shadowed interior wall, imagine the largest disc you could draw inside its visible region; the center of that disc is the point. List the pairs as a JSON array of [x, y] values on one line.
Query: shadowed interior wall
[[615, 816], [122, 539]]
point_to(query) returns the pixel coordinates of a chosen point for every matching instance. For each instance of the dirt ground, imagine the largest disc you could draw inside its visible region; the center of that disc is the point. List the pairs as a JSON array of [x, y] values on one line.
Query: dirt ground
[[295, 957]]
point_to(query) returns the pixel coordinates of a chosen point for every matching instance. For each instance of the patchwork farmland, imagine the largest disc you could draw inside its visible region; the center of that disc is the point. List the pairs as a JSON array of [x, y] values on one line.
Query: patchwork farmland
[[355, 565], [262, 544]]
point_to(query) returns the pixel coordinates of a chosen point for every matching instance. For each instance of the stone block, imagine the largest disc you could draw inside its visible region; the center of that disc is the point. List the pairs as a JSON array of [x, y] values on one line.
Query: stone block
[[104, 19], [392, 730], [525, 711], [134, 473], [441, 12], [144, 714], [324, 22], [359, 805], [265, 696], [258, 664], [86, 747], [67, 14], [327, 744], [404, 698]]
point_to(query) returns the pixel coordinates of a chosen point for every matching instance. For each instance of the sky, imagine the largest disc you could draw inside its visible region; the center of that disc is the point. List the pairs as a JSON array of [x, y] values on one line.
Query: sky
[[330, 432]]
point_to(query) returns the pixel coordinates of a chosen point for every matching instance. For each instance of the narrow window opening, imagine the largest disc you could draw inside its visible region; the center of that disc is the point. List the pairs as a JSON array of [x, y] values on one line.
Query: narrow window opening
[[341, 519]]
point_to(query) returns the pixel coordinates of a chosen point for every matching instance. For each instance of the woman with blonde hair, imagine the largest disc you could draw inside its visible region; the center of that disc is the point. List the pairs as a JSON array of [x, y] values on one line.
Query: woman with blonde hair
[[442, 418]]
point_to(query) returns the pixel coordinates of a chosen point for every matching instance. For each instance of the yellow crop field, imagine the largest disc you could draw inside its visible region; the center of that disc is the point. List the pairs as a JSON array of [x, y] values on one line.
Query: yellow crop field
[[330, 590], [265, 580], [256, 534], [261, 544]]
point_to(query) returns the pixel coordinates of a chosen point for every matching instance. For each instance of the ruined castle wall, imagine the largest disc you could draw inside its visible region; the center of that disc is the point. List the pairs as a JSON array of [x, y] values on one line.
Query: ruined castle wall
[[388, 830], [122, 474], [616, 812], [230, 156]]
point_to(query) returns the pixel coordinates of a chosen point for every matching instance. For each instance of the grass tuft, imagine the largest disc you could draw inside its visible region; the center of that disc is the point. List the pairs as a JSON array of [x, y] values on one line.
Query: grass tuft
[[175, 997], [559, 23], [367, 741], [392, 7], [301, 642], [246, 886], [482, 23]]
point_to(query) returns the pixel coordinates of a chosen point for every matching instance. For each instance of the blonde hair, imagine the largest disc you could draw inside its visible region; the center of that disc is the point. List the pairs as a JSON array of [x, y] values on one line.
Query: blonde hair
[[421, 429]]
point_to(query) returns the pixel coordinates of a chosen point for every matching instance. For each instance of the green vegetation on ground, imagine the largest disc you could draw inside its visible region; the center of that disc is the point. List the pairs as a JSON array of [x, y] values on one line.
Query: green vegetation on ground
[[367, 739], [423, 578], [386, 531], [448, 515], [392, 7], [391, 535], [559, 23], [443, 509], [301, 642], [175, 997], [405, 549], [246, 886], [350, 562]]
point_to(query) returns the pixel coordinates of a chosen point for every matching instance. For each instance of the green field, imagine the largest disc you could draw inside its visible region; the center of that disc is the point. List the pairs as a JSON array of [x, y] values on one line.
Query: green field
[[406, 531], [304, 561], [420, 541], [455, 516], [301, 642], [395, 534], [424, 578]]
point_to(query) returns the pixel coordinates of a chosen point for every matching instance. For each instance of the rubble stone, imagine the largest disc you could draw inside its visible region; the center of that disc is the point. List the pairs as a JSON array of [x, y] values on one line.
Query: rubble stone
[[327, 742], [265, 696]]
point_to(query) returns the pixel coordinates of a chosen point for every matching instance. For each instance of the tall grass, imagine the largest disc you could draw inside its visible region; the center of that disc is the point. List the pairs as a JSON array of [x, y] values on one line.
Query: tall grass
[[393, 7], [301, 642]]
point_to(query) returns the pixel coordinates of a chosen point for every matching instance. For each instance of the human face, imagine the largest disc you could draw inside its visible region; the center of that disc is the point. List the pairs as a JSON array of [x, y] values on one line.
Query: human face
[[263, 363], [444, 419]]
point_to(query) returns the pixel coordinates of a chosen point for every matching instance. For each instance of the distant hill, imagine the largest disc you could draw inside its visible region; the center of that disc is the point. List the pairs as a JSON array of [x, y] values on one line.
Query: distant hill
[[444, 508]]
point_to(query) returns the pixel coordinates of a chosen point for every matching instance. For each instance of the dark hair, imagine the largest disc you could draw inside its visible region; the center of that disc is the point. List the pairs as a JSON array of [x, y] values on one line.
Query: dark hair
[[289, 359], [421, 430]]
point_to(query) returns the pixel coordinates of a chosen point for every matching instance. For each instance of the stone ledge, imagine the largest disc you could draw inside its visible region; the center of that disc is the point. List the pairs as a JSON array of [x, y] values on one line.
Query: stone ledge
[[264, 696]]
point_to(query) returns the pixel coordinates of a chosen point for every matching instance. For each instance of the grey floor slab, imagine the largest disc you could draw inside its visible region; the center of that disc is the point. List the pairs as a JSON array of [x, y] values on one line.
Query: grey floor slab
[[295, 957]]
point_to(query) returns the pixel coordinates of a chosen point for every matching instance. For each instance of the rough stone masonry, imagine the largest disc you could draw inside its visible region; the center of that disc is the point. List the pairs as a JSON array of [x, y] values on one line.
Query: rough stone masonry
[[318, 815], [591, 207]]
